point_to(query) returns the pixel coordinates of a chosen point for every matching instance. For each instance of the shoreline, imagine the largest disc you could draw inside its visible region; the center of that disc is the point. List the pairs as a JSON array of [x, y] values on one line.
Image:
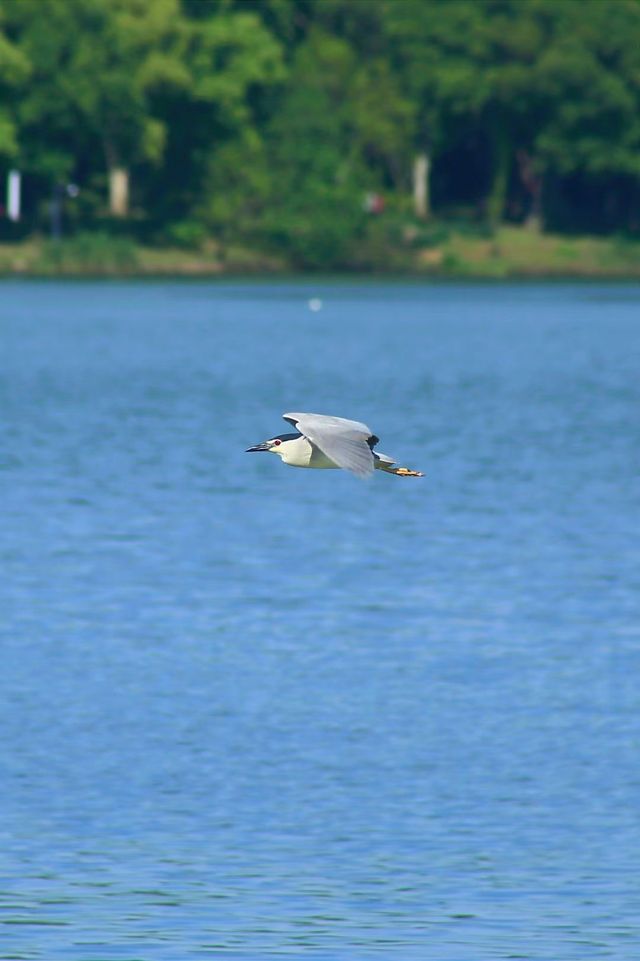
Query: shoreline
[[510, 254]]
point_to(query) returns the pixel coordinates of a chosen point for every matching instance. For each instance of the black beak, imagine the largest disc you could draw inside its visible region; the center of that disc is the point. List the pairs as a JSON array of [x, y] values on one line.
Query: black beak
[[264, 446]]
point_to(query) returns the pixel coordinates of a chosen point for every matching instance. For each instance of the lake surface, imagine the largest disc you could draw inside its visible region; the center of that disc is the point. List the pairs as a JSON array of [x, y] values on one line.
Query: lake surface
[[251, 711]]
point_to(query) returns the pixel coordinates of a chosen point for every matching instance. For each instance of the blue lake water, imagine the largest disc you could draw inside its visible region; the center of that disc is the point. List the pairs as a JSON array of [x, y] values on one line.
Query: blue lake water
[[251, 711]]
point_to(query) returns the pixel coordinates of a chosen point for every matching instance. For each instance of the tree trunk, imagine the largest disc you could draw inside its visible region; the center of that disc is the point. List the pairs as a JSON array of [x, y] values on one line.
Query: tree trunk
[[532, 182], [118, 191], [502, 168], [533, 221], [13, 195], [421, 198]]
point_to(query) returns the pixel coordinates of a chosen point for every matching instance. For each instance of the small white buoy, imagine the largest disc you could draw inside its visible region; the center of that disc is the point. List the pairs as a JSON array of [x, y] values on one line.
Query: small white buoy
[[315, 304]]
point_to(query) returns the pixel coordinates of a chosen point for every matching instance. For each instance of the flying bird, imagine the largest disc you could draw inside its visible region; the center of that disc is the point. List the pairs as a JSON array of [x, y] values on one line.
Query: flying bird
[[326, 442]]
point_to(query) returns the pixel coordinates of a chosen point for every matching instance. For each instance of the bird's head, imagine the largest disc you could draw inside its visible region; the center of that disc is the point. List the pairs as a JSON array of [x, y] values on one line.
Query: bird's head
[[276, 445]]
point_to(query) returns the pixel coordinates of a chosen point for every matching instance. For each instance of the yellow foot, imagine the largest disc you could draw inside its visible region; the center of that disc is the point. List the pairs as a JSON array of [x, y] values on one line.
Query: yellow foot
[[405, 472]]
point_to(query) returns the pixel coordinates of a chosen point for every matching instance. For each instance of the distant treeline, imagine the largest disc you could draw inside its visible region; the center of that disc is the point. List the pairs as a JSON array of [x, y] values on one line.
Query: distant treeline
[[302, 126]]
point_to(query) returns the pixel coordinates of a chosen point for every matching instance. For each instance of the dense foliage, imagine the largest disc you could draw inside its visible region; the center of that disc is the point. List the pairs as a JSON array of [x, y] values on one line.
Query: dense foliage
[[269, 122]]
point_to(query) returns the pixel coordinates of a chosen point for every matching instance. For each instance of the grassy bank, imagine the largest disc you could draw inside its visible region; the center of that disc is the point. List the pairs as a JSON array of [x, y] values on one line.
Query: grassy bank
[[98, 255], [517, 252], [443, 252]]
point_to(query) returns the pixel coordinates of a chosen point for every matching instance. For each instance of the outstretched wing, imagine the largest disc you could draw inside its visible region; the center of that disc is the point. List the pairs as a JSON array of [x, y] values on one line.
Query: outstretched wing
[[345, 442]]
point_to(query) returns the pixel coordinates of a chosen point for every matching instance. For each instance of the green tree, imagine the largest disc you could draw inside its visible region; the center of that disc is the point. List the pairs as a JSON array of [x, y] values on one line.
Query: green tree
[[468, 65], [142, 85], [338, 132], [313, 201], [95, 63], [589, 76], [271, 119], [14, 70], [232, 61]]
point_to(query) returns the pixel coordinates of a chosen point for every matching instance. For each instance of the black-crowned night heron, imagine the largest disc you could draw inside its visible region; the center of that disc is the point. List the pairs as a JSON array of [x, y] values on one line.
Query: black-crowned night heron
[[332, 442]]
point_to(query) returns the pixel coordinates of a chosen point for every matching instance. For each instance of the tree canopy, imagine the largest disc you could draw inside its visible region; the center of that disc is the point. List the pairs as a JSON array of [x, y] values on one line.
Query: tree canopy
[[273, 122]]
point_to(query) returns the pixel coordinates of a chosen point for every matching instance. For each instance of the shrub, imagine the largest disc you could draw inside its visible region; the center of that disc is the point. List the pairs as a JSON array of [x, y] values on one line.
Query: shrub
[[90, 253]]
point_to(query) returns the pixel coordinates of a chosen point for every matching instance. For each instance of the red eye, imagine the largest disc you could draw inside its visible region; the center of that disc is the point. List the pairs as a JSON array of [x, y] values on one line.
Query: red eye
[[277, 443]]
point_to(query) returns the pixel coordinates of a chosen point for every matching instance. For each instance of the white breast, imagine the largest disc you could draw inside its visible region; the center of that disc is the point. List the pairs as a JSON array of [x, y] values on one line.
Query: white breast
[[301, 453], [296, 453]]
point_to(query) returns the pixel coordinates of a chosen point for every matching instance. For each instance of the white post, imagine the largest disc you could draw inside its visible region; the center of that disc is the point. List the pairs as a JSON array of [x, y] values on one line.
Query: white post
[[421, 186], [119, 191], [13, 195]]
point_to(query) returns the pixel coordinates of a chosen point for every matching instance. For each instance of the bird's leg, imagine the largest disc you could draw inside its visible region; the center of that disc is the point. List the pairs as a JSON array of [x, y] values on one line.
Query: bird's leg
[[405, 472], [400, 471]]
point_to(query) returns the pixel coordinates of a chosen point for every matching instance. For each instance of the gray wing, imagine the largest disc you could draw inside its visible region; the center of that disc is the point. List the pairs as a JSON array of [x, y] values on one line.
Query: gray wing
[[345, 442]]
